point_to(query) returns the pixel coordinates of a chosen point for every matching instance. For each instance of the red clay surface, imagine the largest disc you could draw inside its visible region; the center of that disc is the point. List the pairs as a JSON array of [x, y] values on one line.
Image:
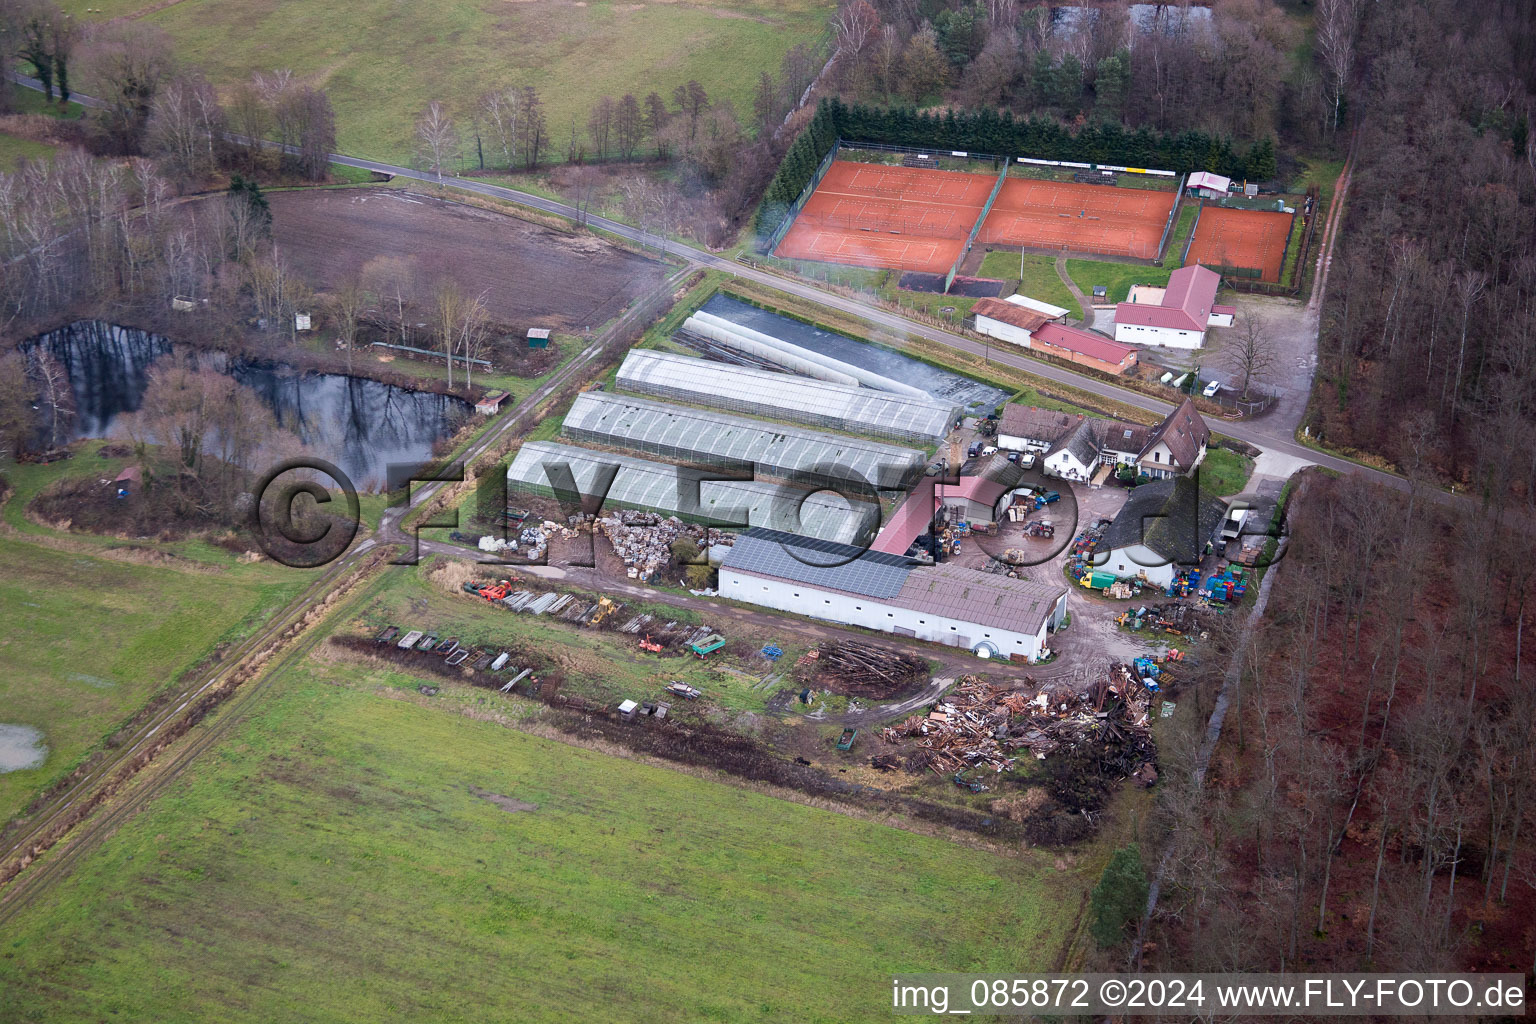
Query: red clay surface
[[1098, 219], [529, 275], [913, 218], [872, 215], [1241, 238]]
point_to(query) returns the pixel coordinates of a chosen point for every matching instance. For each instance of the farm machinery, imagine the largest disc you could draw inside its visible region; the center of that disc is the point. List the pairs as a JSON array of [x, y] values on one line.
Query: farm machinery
[[647, 644], [707, 646]]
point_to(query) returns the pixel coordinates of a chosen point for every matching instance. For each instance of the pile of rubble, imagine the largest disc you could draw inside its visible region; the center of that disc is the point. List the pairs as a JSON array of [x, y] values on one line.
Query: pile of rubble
[[982, 725], [643, 540]]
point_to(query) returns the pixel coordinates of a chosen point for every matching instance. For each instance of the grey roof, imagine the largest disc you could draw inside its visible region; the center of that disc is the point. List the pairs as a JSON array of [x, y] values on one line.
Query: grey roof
[[1083, 442], [984, 598], [816, 563], [1130, 438], [1171, 517], [1184, 431], [785, 396], [712, 438], [1044, 425], [669, 490]]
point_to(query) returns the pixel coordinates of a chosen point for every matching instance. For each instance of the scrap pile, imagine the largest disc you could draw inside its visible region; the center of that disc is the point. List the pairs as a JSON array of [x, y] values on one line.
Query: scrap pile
[[981, 725], [1172, 618], [854, 668], [644, 539]]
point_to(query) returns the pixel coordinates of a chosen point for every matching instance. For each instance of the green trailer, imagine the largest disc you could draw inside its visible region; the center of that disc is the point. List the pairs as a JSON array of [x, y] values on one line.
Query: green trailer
[[709, 645]]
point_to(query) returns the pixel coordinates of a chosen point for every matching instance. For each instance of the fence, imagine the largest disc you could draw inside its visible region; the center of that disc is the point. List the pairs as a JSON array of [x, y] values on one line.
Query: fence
[[1190, 241], [1173, 217], [997, 186], [799, 204], [959, 154]]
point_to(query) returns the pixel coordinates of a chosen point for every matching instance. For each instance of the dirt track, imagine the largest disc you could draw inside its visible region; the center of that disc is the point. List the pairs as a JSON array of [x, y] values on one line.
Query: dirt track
[[530, 275]]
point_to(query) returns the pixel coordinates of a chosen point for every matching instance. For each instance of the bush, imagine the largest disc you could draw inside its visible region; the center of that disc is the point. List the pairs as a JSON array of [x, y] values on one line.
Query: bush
[[685, 551], [1119, 898]]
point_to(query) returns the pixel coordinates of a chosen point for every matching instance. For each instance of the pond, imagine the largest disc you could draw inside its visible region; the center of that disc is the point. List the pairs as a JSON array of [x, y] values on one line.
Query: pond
[[21, 747], [360, 424], [974, 396]]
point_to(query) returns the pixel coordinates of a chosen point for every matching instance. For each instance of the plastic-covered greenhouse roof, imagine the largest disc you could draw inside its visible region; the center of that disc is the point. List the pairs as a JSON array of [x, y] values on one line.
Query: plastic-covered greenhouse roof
[[855, 466], [690, 495], [785, 396]]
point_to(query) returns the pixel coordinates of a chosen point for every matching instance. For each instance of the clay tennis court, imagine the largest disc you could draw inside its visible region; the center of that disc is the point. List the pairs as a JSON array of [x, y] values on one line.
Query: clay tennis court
[[1241, 238], [901, 218], [1098, 219]]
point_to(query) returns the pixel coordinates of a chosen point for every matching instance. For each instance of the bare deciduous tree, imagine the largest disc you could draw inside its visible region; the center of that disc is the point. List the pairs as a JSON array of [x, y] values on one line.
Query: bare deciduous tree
[[125, 63], [1250, 352], [437, 140], [1338, 23]]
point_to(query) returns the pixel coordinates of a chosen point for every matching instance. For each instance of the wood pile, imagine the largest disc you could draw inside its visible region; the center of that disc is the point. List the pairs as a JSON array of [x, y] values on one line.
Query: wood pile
[[983, 725], [857, 669]]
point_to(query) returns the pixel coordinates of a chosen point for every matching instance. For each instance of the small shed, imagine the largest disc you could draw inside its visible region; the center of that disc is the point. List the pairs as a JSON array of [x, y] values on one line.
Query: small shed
[[1211, 186], [538, 337], [128, 481], [627, 708], [1100, 295], [491, 404]]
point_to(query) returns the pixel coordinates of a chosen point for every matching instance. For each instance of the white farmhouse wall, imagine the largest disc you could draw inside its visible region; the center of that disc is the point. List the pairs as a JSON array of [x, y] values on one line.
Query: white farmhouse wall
[[1001, 331], [801, 599], [1137, 558], [1167, 337], [1220, 320]]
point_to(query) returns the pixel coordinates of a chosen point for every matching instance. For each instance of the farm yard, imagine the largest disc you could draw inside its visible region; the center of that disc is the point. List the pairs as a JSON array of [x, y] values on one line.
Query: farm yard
[[382, 62], [354, 850], [530, 275]]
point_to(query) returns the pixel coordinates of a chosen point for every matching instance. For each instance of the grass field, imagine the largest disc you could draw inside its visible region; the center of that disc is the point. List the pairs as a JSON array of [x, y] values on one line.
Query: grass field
[[89, 640], [13, 150], [346, 856], [1118, 277], [1224, 472], [1040, 279], [382, 61]]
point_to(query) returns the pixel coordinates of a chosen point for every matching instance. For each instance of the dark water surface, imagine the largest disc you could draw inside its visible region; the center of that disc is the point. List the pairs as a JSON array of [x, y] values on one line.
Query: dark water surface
[[360, 424]]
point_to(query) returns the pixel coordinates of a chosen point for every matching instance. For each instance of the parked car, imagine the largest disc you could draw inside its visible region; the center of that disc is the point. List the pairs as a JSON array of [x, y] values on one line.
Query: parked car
[[975, 449], [1211, 389], [990, 449]]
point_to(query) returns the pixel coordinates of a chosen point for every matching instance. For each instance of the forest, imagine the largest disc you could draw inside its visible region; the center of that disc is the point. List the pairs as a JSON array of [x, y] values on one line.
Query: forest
[[1368, 804]]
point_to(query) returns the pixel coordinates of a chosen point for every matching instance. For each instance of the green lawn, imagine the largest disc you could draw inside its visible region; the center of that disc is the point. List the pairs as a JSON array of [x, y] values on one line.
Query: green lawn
[[1224, 472], [1040, 280], [13, 150], [343, 856], [30, 101], [89, 640], [382, 62], [1118, 277]]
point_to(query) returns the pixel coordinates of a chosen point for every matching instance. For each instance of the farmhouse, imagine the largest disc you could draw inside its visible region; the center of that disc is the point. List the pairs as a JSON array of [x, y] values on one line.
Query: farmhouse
[[1178, 316], [1123, 443], [941, 603], [978, 498], [1075, 455], [1162, 527], [1176, 445], [1026, 428]]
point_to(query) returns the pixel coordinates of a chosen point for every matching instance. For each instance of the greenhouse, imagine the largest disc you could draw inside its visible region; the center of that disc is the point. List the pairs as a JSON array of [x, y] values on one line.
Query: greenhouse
[[786, 396], [699, 437], [689, 495]]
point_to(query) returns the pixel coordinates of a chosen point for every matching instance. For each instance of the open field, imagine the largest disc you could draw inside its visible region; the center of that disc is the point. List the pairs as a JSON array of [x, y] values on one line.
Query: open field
[[1241, 238], [89, 640], [13, 150], [382, 62], [352, 852], [530, 275]]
